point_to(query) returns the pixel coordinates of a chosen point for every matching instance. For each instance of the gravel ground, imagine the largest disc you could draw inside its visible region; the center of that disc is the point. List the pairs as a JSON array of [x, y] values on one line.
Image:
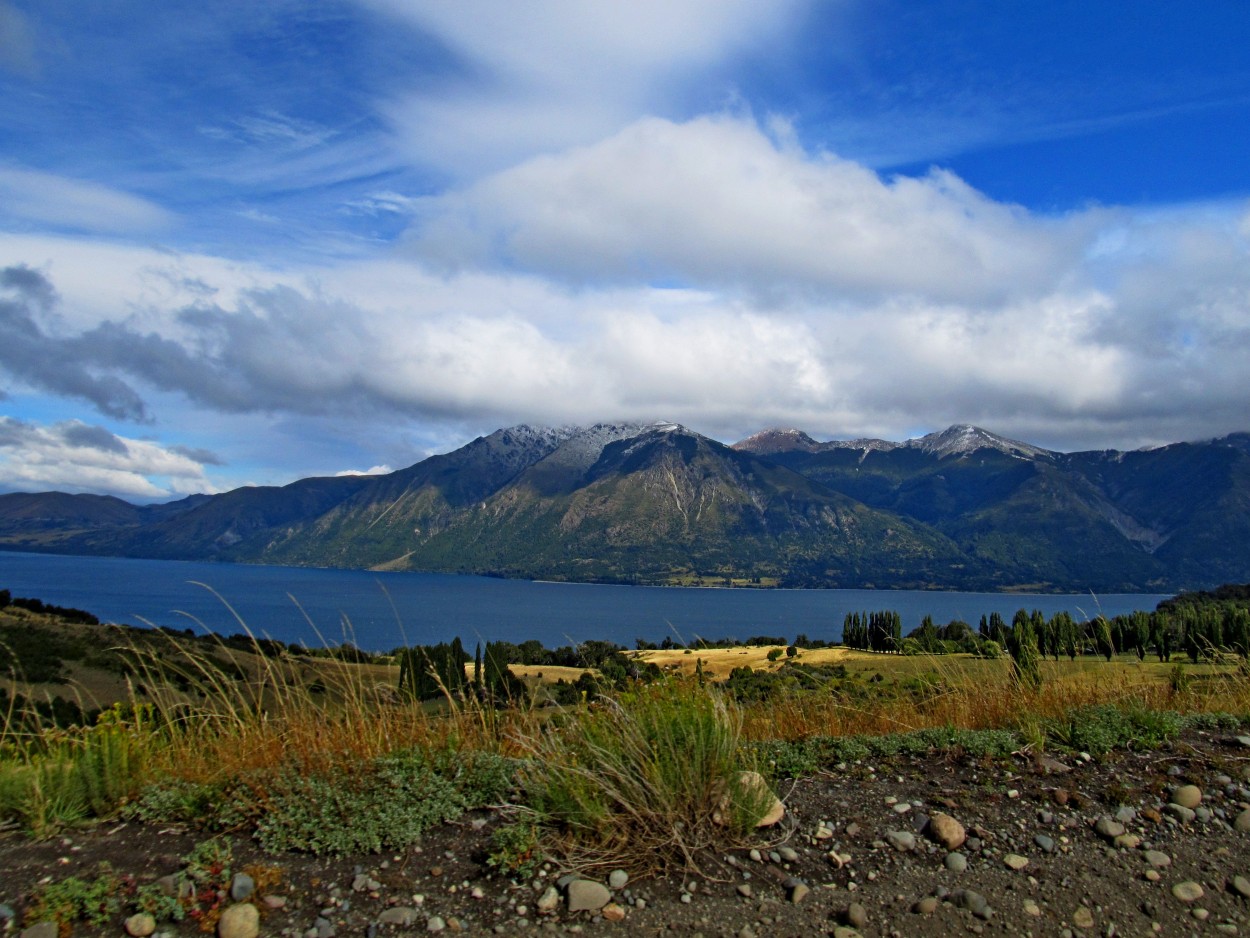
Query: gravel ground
[[1074, 847]]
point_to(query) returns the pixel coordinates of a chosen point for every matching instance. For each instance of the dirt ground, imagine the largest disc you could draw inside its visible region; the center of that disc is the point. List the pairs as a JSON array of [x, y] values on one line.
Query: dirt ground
[[852, 856]]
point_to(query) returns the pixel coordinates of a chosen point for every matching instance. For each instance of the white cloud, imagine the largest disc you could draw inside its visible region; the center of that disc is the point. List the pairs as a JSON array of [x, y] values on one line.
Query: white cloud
[[549, 74], [75, 457], [31, 196], [372, 471], [716, 201]]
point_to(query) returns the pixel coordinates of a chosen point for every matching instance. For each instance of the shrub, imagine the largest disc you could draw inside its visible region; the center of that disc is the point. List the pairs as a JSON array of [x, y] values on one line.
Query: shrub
[[638, 782], [388, 802]]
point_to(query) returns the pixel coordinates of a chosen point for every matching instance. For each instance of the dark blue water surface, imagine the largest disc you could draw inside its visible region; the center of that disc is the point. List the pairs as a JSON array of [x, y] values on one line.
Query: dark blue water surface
[[381, 611]]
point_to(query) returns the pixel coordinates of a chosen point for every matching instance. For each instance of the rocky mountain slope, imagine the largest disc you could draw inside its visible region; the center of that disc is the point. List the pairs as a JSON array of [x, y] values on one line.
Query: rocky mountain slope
[[659, 503]]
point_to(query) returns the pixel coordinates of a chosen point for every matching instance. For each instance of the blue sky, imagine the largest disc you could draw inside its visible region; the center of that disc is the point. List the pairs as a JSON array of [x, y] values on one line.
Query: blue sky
[[245, 243]]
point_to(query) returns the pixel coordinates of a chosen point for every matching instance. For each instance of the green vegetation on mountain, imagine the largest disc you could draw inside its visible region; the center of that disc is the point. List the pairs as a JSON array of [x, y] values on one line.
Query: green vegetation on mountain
[[660, 504]]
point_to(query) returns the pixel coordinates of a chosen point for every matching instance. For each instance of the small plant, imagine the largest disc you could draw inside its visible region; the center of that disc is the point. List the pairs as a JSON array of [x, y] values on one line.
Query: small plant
[[96, 902], [389, 801], [514, 849]]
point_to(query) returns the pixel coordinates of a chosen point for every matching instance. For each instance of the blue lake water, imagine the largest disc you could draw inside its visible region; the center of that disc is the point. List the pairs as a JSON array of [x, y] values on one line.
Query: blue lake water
[[381, 611]]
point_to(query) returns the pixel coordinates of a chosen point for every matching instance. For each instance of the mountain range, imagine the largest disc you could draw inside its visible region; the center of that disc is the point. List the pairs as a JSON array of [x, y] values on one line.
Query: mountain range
[[658, 503]]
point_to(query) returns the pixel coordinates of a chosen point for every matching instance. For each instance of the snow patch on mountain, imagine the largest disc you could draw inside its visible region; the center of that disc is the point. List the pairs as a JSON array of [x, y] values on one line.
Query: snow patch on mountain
[[963, 438]]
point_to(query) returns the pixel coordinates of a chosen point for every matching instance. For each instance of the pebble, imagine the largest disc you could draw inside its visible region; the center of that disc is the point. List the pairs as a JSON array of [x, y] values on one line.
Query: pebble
[[588, 896], [140, 926], [617, 879], [744, 890], [1083, 918], [239, 921], [926, 906], [1014, 861], [1045, 843], [398, 915], [1157, 858], [1241, 823], [956, 862], [1188, 891], [548, 902], [40, 930], [974, 902], [1241, 886], [901, 840], [1032, 908], [946, 831], [613, 912], [1187, 796], [797, 892], [435, 923], [1108, 828], [1180, 812], [856, 915], [241, 887], [788, 854]]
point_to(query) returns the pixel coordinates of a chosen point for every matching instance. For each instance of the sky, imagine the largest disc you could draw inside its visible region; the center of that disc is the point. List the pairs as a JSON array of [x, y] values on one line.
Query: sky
[[245, 243]]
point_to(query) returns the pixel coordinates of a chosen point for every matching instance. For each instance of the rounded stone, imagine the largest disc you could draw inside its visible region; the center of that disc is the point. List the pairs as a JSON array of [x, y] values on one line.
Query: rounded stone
[[1180, 812], [1188, 891], [1187, 796], [548, 902], [1108, 828], [901, 840], [1083, 918], [956, 862], [239, 921], [856, 915], [1045, 843], [242, 886], [1241, 886], [588, 896], [1157, 858], [617, 879], [946, 831], [1013, 861], [1241, 823], [140, 926], [926, 906]]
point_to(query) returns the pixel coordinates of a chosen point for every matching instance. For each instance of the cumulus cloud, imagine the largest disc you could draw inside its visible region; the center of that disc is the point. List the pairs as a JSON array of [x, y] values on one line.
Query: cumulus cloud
[[28, 195], [717, 201], [75, 457]]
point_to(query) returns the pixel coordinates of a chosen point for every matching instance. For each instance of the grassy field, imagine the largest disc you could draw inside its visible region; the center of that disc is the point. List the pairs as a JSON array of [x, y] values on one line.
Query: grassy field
[[200, 733]]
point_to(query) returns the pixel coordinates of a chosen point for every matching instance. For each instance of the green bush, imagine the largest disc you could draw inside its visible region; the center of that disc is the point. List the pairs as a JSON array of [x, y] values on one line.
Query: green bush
[[1100, 729], [647, 782], [388, 802]]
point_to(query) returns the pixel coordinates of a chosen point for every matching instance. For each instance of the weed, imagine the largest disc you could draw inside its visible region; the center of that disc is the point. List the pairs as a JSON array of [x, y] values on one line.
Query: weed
[[388, 802], [514, 849], [642, 781], [96, 901]]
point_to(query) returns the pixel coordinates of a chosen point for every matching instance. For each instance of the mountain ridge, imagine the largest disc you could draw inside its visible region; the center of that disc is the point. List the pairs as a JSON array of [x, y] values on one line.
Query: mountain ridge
[[655, 502]]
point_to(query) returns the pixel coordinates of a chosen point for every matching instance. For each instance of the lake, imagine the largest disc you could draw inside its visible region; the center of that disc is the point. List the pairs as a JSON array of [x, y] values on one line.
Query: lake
[[381, 611]]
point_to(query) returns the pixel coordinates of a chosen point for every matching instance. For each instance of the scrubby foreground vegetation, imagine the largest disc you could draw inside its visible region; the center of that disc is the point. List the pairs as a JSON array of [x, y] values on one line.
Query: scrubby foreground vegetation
[[594, 758]]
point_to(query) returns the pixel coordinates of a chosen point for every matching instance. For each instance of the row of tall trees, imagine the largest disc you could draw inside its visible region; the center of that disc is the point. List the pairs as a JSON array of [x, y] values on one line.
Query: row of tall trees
[[873, 631], [428, 672]]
